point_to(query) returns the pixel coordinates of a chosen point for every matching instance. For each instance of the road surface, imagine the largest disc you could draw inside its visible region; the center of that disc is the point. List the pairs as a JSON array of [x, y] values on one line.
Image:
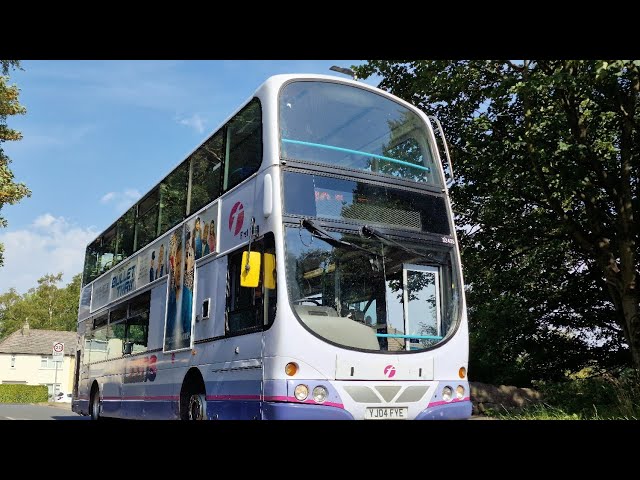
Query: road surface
[[11, 411], [62, 411]]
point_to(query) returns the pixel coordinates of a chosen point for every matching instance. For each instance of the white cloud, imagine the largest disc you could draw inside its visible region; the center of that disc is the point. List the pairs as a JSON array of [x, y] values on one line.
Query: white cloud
[[121, 200], [44, 221], [54, 137], [158, 85], [195, 121], [107, 197], [49, 245]]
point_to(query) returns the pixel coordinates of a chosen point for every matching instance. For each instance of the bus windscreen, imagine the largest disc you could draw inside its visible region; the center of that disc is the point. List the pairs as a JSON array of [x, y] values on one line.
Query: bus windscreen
[[337, 199]]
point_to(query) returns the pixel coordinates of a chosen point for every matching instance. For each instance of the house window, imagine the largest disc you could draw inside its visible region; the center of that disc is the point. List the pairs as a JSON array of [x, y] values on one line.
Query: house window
[[51, 390], [47, 362], [13, 361]]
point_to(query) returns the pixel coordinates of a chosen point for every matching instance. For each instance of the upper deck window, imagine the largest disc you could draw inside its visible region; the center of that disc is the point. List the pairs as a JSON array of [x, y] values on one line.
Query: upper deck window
[[147, 221], [206, 165], [227, 158], [243, 145], [350, 127]]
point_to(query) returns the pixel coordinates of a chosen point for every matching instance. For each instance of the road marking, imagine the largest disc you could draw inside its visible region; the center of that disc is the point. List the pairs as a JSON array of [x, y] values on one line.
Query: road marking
[[11, 418]]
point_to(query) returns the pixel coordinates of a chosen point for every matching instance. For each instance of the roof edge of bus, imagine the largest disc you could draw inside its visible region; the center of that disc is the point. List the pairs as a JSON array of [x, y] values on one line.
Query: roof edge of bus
[[278, 79], [282, 78], [290, 76]]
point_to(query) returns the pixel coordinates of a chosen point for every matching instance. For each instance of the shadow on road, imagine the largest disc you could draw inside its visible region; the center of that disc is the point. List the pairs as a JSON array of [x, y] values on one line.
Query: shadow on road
[[69, 417]]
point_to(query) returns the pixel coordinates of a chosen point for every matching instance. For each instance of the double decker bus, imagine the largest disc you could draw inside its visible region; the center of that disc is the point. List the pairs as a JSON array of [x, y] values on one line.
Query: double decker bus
[[301, 263]]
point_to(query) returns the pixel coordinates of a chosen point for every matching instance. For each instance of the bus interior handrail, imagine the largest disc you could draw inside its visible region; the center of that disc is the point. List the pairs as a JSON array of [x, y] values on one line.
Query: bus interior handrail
[[356, 152], [418, 337], [446, 150]]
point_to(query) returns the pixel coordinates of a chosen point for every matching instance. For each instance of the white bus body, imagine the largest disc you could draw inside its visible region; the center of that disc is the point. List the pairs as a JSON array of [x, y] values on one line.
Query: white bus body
[[305, 360]]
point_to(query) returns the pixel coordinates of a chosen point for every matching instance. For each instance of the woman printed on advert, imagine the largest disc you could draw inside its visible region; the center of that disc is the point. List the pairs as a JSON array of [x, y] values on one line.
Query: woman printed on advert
[[152, 270], [175, 281], [205, 237], [160, 269], [187, 291], [197, 239], [211, 239]]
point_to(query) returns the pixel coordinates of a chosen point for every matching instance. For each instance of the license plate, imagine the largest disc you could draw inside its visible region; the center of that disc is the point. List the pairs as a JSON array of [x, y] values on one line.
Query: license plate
[[386, 413]]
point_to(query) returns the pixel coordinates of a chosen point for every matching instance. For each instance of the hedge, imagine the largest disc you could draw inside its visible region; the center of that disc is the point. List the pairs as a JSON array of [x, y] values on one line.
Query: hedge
[[16, 393]]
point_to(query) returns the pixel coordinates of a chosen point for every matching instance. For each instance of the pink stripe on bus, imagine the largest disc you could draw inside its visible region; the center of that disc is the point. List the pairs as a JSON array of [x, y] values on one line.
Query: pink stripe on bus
[[233, 397], [271, 399], [155, 397], [309, 401], [442, 402]]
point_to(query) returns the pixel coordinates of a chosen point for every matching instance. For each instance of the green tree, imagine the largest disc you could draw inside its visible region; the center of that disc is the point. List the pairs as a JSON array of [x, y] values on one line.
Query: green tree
[[12, 314], [45, 307], [68, 306], [10, 191], [547, 153]]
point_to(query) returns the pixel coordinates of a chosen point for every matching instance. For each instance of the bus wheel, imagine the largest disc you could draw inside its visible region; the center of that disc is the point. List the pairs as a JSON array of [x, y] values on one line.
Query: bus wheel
[[193, 400], [197, 407], [95, 407]]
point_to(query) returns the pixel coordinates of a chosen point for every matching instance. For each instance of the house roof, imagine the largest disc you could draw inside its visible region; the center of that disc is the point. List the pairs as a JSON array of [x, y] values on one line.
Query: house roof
[[38, 342]]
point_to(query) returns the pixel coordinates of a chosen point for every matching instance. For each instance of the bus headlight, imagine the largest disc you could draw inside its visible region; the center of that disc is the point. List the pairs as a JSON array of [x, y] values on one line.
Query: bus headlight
[[320, 394], [301, 392], [460, 392], [447, 393]]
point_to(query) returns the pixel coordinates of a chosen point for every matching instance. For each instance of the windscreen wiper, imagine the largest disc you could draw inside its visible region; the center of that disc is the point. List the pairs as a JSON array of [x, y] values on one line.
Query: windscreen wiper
[[367, 231], [330, 239]]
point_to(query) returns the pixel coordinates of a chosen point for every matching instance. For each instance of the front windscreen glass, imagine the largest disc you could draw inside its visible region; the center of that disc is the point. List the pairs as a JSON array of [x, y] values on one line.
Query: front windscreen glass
[[378, 297], [350, 127], [359, 202]]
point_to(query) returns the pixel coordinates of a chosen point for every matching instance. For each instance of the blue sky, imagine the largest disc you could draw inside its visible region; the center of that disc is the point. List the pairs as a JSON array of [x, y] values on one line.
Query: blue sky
[[99, 134]]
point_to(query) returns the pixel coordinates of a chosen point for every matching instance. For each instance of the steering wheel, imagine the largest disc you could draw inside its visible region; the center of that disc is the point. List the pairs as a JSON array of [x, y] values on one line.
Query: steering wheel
[[315, 302]]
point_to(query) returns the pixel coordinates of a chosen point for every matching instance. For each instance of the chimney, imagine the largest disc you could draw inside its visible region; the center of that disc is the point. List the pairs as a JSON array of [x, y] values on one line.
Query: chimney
[[25, 328]]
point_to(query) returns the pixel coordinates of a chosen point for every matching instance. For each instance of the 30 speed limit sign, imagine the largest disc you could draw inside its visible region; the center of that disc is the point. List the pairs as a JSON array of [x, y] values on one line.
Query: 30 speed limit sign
[[58, 351]]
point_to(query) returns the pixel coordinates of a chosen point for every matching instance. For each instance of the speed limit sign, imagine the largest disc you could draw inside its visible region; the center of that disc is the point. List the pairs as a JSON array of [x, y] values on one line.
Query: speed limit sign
[[58, 351]]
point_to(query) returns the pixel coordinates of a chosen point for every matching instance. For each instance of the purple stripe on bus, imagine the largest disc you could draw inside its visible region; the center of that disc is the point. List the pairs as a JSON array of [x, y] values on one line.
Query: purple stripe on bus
[[459, 410], [302, 411]]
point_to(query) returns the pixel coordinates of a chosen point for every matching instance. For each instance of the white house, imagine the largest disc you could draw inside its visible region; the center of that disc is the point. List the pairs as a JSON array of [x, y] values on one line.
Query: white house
[[26, 356]]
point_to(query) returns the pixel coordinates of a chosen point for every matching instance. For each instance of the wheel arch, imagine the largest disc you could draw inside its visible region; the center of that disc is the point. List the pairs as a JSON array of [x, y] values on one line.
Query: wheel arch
[[192, 383]]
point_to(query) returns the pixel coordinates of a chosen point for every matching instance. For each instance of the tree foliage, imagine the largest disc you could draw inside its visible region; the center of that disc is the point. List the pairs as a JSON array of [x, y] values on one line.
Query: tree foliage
[[46, 306], [547, 156], [10, 191]]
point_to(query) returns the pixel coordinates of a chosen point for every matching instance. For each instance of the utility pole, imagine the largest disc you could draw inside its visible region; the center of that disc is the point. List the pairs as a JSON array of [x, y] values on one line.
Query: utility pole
[[58, 353], [55, 380]]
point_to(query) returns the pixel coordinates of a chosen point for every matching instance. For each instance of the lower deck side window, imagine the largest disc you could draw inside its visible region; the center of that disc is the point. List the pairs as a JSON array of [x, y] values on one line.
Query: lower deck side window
[[249, 309]]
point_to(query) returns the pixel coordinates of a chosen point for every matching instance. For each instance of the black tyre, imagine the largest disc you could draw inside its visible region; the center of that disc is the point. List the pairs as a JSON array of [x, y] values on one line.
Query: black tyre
[[95, 407]]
